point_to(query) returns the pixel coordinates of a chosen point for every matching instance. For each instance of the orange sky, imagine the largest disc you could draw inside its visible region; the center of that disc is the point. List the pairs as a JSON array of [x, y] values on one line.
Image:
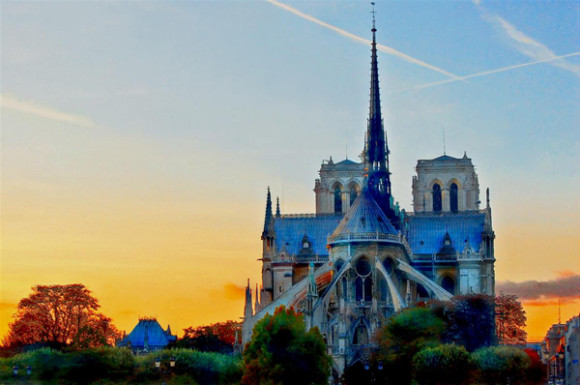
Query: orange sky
[[135, 160]]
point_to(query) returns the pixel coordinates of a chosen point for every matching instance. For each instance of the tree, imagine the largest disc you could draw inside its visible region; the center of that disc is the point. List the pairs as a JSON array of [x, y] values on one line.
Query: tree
[[219, 337], [510, 320], [282, 352], [502, 365], [61, 316], [403, 336], [443, 365], [471, 321]]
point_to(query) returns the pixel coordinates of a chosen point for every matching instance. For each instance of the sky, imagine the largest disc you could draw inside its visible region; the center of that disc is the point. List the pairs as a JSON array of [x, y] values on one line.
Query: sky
[[138, 138]]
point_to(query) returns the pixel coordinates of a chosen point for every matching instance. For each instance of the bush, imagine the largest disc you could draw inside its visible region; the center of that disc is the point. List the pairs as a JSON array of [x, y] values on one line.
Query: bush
[[501, 365], [443, 365]]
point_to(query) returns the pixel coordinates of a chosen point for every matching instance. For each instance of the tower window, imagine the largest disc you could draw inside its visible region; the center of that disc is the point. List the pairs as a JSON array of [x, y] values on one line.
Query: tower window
[[337, 200], [453, 197], [436, 197]]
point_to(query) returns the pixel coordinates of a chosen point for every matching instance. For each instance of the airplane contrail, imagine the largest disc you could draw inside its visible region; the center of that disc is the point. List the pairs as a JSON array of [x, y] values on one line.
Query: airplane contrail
[[485, 73], [380, 47]]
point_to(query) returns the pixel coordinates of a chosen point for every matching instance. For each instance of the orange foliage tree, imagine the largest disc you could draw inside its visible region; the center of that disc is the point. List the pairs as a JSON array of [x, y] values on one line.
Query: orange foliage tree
[[61, 316], [510, 320]]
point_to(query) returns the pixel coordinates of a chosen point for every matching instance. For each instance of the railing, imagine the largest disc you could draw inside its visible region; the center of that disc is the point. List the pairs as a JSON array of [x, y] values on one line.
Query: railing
[[378, 237]]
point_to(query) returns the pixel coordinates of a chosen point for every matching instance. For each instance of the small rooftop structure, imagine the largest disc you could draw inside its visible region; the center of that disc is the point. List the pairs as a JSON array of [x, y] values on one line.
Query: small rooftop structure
[[148, 336]]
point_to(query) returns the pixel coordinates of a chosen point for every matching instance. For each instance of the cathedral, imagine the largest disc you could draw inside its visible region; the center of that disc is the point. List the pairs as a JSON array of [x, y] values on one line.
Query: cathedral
[[360, 258]]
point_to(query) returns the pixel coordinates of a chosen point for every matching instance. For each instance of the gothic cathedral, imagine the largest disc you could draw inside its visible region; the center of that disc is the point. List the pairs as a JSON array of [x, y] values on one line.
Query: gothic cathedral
[[360, 258]]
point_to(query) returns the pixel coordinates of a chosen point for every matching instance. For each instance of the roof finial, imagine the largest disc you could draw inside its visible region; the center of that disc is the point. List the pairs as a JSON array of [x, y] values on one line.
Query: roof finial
[[373, 12], [277, 207]]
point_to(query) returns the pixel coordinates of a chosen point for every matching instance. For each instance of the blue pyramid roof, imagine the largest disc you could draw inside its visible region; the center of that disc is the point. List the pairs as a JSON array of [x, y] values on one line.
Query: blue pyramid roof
[[148, 334], [364, 217]]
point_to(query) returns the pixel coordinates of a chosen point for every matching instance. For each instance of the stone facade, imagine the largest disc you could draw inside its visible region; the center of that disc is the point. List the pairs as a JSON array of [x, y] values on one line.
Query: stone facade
[[359, 258]]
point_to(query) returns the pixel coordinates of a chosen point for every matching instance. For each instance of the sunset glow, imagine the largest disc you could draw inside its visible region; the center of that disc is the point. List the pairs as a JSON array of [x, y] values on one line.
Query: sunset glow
[[138, 139]]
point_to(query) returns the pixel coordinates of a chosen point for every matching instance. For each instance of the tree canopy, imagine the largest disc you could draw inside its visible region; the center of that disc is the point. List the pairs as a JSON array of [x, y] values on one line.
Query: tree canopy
[[218, 337], [510, 320], [282, 352], [60, 316]]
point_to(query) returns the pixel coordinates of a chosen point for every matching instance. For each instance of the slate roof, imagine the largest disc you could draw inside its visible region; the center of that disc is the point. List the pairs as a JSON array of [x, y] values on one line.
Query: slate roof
[[148, 329], [290, 230], [426, 232], [364, 217]]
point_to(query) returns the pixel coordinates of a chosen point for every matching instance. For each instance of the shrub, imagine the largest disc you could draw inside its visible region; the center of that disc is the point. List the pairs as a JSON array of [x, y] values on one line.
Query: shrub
[[501, 365], [443, 364]]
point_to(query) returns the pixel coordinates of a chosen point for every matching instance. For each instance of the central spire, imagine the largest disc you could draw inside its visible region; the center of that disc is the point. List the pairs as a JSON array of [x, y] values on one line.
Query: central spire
[[376, 152]]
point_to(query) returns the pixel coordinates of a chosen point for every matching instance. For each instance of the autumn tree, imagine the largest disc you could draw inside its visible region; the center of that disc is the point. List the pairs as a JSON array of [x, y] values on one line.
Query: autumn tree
[[60, 316], [510, 320], [282, 352], [218, 337]]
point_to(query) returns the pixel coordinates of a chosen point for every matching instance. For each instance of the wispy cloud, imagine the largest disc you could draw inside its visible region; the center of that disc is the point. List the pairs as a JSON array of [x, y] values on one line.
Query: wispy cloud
[[15, 104], [229, 291], [359, 39], [486, 73], [526, 44], [562, 287]]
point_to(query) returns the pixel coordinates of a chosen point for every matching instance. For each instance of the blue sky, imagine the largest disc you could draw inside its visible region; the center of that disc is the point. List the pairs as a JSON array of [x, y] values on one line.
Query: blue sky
[[175, 116]]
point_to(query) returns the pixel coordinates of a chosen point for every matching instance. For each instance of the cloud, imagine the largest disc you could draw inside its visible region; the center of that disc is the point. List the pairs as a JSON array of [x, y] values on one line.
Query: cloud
[[15, 104], [526, 44], [565, 274], [550, 302], [562, 287], [359, 39], [485, 73], [230, 291]]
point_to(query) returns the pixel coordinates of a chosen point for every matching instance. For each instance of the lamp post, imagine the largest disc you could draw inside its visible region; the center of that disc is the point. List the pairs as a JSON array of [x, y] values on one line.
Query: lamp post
[[172, 362], [15, 370], [157, 363]]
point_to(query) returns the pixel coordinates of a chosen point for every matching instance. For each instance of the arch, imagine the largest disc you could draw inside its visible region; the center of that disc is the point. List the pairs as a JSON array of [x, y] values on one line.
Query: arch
[[267, 278], [422, 292], [353, 191], [389, 264], [337, 193], [453, 197], [360, 334], [448, 283], [363, 267], [437, 201]]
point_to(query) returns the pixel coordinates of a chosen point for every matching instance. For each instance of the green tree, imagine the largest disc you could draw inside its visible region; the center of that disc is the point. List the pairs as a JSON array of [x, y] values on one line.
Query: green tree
[[404, 335], [502, 365], [282, 352], [61, 316], [443, 365]]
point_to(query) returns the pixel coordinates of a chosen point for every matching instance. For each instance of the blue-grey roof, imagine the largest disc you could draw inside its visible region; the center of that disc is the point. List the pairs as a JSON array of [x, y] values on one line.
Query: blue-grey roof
[[364, 217], [150, 330], [426, 232], [290, 230]]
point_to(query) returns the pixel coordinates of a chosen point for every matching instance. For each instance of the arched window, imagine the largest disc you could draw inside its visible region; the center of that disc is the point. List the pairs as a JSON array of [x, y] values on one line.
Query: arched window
[[337, 200], [368, 289], [422, 292], [453, 197], [358, 289], [383, 289], [436, 197], [353, 192], [344, 289], [361, 337], [448, 284]]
